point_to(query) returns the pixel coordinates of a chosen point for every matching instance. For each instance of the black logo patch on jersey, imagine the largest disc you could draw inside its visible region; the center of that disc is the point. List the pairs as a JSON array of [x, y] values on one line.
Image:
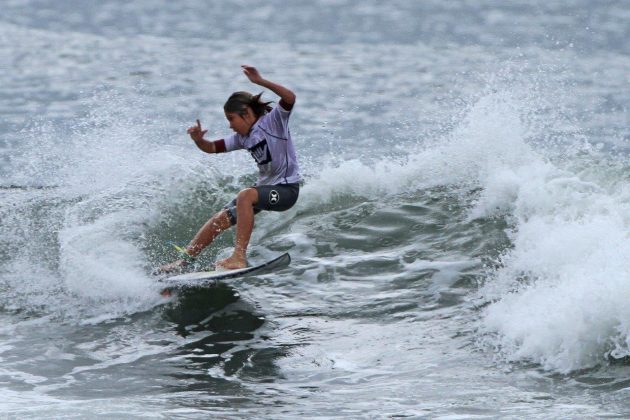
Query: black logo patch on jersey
[[260, 152]]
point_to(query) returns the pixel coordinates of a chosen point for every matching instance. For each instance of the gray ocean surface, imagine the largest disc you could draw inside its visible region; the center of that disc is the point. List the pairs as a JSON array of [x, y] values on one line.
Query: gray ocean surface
[[460, 246]]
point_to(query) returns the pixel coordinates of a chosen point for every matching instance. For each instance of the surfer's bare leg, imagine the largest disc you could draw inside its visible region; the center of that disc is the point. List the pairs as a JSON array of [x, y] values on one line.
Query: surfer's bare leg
[[208, 232], [245, 202]]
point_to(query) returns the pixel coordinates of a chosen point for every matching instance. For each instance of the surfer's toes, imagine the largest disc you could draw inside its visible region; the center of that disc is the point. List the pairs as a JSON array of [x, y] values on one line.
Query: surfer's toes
[[231, 263], [172, 267]]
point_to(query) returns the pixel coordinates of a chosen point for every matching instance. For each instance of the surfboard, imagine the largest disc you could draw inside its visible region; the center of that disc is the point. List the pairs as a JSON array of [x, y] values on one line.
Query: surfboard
[[204, 278]]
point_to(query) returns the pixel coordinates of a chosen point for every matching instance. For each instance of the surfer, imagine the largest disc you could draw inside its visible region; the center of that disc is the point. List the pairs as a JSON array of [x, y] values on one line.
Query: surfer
[[264, 132]]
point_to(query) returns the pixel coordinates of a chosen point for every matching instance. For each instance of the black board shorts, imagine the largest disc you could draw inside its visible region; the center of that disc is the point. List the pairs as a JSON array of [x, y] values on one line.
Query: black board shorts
[[271, 198]]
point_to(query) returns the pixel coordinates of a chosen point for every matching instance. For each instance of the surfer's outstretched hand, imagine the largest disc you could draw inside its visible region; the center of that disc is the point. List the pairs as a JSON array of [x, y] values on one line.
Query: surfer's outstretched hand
[[252, 74], [196, 132]]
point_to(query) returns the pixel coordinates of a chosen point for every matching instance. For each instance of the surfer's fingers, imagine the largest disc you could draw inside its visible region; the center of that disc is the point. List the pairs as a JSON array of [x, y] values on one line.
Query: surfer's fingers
[[249, 70]]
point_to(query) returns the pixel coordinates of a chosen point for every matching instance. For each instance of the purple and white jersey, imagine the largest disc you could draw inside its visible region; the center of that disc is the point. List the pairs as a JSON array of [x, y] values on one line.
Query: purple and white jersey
[[269, 142]]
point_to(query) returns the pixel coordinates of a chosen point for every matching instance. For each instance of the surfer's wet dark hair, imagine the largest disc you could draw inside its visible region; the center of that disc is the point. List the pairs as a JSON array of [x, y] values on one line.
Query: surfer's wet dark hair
[[239, 101]]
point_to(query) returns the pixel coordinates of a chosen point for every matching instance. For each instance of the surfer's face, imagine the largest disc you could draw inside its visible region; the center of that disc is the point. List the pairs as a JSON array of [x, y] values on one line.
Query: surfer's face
[[241, 123]]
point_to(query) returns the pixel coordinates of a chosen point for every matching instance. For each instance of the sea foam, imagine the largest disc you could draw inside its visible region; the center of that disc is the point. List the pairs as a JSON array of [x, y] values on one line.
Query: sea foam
[[559, 294]]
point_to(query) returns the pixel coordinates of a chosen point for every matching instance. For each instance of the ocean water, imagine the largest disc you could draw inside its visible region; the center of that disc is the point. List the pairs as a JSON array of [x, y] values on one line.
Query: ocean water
[[460, 246]]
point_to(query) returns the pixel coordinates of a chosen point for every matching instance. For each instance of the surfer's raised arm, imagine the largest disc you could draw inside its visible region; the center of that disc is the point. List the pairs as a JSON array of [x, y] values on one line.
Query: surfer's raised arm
[[287, 96]]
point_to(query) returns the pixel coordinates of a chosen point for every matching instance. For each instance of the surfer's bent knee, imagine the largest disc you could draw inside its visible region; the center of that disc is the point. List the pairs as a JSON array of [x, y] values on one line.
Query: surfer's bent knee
[[247, 196]]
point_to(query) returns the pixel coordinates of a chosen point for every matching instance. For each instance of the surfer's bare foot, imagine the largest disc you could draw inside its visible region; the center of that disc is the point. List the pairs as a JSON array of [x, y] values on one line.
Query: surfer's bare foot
[[232, 263], [174, 266]]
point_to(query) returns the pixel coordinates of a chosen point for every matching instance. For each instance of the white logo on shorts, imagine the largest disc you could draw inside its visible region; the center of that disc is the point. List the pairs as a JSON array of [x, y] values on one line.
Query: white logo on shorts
[[274, 197]]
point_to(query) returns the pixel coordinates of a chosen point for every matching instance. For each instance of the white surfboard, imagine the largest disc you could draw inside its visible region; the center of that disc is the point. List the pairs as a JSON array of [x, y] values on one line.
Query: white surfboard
[[201, 278]]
